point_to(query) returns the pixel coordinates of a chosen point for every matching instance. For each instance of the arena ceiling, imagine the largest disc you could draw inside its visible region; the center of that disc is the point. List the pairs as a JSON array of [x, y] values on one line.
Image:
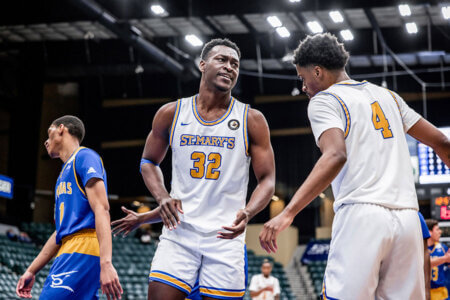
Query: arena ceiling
[[58, 22]]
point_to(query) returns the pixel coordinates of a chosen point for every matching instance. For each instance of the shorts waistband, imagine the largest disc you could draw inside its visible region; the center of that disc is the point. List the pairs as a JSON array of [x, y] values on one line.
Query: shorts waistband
[[83, 242]]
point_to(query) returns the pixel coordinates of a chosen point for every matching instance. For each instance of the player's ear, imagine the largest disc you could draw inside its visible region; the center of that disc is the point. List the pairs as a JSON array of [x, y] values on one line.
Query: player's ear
[[61, 129], [201, 65], [317, 71]]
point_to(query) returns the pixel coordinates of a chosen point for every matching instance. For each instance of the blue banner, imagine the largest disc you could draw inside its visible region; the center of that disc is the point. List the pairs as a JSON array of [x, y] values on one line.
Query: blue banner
[[6, 187], [316, 250]]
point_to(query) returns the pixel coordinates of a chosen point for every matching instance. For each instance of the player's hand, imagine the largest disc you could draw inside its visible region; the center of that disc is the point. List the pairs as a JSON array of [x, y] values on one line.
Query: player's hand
[[447, 256], [268, 288], [238, 227], [109, 282], [25, 284], [169, 212], [127, 224], [271, 229]]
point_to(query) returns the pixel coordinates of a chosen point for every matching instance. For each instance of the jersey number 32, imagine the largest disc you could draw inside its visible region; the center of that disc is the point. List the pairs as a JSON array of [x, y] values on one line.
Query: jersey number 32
[[206, 165]]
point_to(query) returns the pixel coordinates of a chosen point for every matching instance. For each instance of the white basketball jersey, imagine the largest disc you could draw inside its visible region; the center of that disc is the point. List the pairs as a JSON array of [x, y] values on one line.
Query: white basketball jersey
[[374, 121], [210, 164]]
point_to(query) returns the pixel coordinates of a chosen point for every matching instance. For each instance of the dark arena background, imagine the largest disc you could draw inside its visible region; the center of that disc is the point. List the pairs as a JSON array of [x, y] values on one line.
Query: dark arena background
[[113, 63]]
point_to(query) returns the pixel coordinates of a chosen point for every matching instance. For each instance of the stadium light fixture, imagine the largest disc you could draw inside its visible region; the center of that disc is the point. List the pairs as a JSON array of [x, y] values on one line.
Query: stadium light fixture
[[411, 28], [314, 26], [283, 32], [404, 10], [336, 16], [294, 1], [347, 35], [158, 10], [446, 12], [274, 21], [194, 40]]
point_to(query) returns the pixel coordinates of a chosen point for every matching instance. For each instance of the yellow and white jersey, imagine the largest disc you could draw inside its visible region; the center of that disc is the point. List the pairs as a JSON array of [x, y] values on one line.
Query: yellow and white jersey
[[210, 164], [374, 121]]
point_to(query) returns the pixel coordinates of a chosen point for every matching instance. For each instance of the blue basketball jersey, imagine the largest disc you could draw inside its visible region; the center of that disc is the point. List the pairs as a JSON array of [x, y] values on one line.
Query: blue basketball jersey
[[437, 273], [72, 210]]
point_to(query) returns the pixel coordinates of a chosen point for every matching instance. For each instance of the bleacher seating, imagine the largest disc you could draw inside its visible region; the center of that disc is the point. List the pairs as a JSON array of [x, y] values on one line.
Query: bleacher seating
[[131, 259]]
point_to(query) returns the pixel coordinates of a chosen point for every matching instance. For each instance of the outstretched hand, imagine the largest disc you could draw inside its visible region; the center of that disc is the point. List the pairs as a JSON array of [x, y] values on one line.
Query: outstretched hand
[[270, 231], [25, 284], [238, 227], [127, 224]]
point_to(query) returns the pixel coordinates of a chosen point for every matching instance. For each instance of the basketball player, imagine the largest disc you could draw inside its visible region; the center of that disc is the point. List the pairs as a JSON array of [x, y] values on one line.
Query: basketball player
[[82, 240], [133, 220], [360, 129], [440, 256], [213, 137]]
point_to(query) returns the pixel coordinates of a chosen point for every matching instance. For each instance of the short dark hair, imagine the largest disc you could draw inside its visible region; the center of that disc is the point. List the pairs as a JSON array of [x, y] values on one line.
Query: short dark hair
[[431, 223], [73, 124], [266, 261], [218, 42], [323, 50]]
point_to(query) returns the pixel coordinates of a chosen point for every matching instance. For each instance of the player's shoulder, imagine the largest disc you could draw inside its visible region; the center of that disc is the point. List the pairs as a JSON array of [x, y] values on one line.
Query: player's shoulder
[[87, 153]]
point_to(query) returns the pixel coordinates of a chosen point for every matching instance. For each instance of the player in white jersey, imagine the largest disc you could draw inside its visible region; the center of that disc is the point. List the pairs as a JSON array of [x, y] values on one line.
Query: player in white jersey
[[376, 249], [213, 137]]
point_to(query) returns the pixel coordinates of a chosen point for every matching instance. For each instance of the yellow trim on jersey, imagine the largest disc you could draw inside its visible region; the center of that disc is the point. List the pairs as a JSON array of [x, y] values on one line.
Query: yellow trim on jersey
[[75, 172], [210, 123], [171, 280], [439, 293], [396, 102], [174, 122], [212, 292], [347, 113], [434, 247], [245, 128], [84, 242]]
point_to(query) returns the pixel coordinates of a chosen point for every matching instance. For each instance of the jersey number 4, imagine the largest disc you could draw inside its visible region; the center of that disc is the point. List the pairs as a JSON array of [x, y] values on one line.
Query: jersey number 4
[[380, 121], [212, 166]]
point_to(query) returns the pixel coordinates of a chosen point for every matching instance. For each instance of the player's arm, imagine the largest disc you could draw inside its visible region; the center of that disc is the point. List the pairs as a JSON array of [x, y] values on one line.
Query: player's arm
[[334, 156], [263, 163], [428, 134], [155, 150], [437, 261], [26, 281], [426, 269], [133, 220], [109, 280]]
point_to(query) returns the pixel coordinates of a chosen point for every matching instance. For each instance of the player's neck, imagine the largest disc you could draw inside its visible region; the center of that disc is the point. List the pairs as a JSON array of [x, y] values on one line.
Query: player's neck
[[341, 76], [208, 99], [68, 149], [431, 242]]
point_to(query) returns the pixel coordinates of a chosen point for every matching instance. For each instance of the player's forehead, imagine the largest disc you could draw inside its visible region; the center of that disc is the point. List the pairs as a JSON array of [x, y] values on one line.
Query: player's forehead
[[51, 127], [223, 50]]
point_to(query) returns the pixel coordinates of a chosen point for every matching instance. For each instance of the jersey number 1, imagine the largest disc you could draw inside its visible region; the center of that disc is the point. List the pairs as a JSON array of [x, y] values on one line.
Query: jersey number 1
[[380, 121], [214, 161]]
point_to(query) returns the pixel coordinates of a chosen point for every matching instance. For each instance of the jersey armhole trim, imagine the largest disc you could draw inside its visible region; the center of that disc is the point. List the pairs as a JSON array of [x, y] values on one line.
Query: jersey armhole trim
[[245, 128], [75, 171], [174, 122], [396, 101], [348, 120]]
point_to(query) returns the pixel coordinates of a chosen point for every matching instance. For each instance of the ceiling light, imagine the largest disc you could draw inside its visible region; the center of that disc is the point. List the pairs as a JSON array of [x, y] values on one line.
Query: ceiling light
[[294, 1], [336, 16], [193, 40], [347, 35], [158, 10], [411, 28], [315, 27], [446, 12], [283, 32], [404, 10], [274, 21]]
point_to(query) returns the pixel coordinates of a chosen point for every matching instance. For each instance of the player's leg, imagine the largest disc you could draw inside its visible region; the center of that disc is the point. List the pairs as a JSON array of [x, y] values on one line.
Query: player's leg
[[175, 265], [401, 274], [222, 275], [162, 291], [361, 236]]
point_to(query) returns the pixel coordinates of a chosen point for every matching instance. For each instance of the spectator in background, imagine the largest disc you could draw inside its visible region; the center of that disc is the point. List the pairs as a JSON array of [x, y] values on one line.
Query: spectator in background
[[264, 286], [440, 256]]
